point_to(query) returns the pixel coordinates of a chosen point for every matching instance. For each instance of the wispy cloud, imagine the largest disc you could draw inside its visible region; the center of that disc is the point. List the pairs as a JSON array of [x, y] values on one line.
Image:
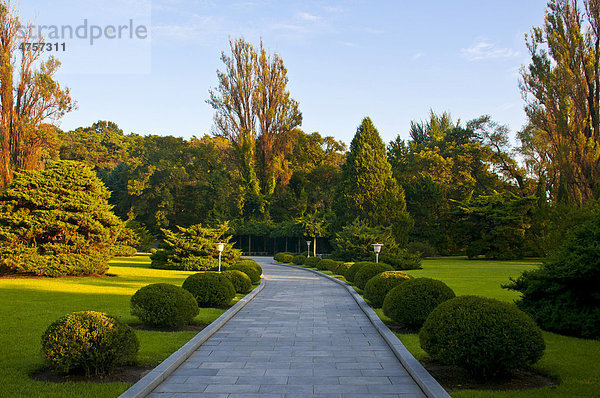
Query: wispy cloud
[[374, 31], [308, 17], [417, 56], [483, 49]]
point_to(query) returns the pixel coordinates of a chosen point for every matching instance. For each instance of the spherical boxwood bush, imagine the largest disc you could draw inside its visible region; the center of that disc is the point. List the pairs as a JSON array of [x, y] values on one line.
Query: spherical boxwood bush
[[279, 256], [299, 259], [162, 305], [90, 341], [326, 264], [368, 271], [287, 258], [210, 288], [241, 282], [343, 268], [487, 337], [354, 269], [250, 262], [378, 286], [312, 261], [412, 301], [249, 270]]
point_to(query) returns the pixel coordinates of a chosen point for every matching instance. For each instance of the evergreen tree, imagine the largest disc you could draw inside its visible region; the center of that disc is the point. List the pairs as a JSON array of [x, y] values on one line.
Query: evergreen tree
[[57, 222], [368, 191], [194, 248]]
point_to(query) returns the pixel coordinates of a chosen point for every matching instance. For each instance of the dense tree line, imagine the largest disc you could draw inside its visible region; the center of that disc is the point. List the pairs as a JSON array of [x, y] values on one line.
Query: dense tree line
[[450, 187]]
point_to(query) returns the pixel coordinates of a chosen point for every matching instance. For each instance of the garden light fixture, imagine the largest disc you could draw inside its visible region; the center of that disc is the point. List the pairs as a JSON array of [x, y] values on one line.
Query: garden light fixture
[[220, 247], [377, 249], [308, 242]]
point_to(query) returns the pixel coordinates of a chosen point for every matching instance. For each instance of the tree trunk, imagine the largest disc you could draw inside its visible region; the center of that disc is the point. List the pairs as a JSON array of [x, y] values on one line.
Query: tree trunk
[[315, 247]]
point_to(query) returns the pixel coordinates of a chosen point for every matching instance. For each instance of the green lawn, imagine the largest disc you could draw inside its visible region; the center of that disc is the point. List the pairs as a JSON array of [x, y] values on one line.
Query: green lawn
[[29, 305], [576, 362]]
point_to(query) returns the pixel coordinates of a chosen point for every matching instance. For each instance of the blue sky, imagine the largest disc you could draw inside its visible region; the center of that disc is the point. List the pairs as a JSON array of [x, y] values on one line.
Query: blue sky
[[390, 60]]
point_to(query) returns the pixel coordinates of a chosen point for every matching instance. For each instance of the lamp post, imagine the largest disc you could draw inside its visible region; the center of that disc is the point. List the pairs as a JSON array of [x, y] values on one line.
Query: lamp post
[[308, 242], [220, 247], [377, 249]]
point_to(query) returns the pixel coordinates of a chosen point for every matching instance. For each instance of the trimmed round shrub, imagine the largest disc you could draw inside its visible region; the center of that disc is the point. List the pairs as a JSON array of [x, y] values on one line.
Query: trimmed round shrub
[[368, 271], [210, 288], [378, 286], [354, 269], [162, 305], [249, 270], [299, 259], [312, 261], [251, 263], [90, 341], [279, 256], [241, 282], [412, 301], [343, 268], [485, 336], [287, 258], [325, 264]]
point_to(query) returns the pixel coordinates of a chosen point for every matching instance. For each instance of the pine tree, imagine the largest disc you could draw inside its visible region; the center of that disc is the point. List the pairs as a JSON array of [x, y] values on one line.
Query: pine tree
[[57, 222], [368, 190], [194, 248]]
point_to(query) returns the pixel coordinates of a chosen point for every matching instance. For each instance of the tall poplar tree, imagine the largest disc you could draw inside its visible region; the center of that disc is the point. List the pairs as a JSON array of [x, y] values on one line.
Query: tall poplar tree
[[561, 87], [254, 111], [368, 191], [31, 100]]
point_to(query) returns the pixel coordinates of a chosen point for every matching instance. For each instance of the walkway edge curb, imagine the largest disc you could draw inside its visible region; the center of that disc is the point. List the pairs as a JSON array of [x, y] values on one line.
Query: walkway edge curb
[[157, 375], [420, 375]]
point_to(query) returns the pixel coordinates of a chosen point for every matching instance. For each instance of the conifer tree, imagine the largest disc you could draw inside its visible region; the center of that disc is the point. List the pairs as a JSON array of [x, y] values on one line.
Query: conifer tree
[[57, 222], [368, 191]]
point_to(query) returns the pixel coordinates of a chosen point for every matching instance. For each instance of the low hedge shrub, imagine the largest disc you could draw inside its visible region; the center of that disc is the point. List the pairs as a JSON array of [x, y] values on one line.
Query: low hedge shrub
[[299, 259], [378, 286], [326, 264], [343, 268], [354, 269], [368, 271], [190, 263], [485, 336], [401, 260], [312, 261], [251, 263], [412, 301], [279, 256], [287, 258], [90, 341], [210, 289], [253, 272], [241, 282], [162, 305]]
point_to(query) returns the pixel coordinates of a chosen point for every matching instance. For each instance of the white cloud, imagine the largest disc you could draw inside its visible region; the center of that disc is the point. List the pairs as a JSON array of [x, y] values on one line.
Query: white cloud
[[308, 17], [417, 56], [374, 31], [483, 49]]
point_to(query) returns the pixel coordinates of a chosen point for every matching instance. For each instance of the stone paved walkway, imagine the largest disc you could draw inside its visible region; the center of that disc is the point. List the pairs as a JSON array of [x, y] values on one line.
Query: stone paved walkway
[[302, 336]]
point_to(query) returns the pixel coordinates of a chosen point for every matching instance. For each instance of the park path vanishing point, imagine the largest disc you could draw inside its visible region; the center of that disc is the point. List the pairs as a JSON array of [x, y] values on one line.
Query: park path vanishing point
[[302, 336]]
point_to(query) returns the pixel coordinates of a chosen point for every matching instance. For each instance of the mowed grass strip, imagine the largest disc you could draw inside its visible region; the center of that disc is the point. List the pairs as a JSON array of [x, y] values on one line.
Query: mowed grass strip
[[29, 305], [574, 361]]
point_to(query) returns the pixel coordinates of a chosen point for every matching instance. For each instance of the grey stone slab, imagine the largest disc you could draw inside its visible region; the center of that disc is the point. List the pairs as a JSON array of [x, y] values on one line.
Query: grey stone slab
[[286, 389], [233, 388]]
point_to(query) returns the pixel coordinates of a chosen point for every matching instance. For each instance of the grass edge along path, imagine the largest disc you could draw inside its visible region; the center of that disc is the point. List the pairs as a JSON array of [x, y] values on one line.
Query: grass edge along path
[[29, 305], [572, 360]]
